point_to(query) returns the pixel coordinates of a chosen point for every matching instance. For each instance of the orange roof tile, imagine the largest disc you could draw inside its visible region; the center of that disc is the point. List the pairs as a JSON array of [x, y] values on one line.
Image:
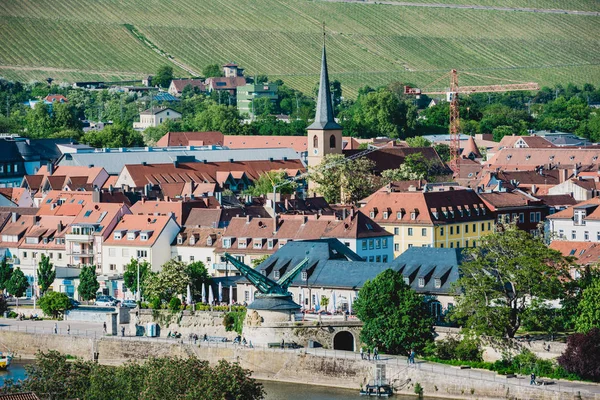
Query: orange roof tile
[[139, 223]]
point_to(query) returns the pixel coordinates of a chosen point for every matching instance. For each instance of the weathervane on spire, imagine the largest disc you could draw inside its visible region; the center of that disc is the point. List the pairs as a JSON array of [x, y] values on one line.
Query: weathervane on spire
[[324, 34]]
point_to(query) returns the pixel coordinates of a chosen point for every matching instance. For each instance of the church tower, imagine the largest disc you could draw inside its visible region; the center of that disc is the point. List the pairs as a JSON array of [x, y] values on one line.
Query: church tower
[[324, 135]]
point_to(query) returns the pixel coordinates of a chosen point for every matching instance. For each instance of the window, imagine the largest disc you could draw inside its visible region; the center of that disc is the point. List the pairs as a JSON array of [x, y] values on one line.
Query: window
[[112, 267], [410, 245], [466, 228], [59, 256], [51, 255], [364, 244], [489, 226], [227, 242], [385, 258], [112, 252], [179, 258], [413, 215], [131, 235], [276, 274], [458, 229], [457, 245], [384, 243], [117, 235], [372, 214], [377, 243], [144, 237], [406, 280], [179, 239], [538, 216], [304, 275], [421, 282], [474, 228], [466, 243], [561, 233], [423, 231], [377, 258], [442, 245], [442, 231], [410, 231], [396, 231], [451, 245], [521, 218], [125, 253], [208, 259], [399, 215], [385, 215], [396, 247], [437, 283], [531, 217], [371, 258], [142, 253], [598, 236], [270, 244], [315, 142], [191, 259], [347, 244], [247, 293], [242, 243], [371, 244], [332, 142], [257, 244], [573, 235], [452, 230]]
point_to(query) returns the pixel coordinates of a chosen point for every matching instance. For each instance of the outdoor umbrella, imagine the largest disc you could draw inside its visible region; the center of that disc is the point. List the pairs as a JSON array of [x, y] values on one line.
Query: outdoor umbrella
[[203, 293], [230, 294], [189, 295], [220, 292], [334, 302], [211, 299]]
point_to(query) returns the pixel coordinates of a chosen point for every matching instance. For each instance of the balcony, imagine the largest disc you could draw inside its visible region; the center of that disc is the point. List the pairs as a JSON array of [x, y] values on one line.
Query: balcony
[[79, 238], [81, 253]]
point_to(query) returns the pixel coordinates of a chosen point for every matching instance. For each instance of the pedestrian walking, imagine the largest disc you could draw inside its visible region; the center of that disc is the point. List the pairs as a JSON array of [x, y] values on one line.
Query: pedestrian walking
[[533, 382], [55, 328], [122, 331], [68, 329], [362, 354], [369, 353], [412, 356], [104, 325], [375, 353]]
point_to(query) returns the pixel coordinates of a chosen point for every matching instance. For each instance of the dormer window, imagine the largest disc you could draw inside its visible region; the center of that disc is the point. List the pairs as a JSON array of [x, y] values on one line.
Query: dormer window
[[437, 283], [242, 243], [209, 240], [304, 275], [45, 240], [226, 243], [385, 215], [131, 235], [399, 215], [421, 282], [406, 280], [118, 235], [144, 237], [258, 243], [372, 214], [436, 215], [192, 240], [179, 239], [413, 215], [276, 274], [270, 244], [282, 243]]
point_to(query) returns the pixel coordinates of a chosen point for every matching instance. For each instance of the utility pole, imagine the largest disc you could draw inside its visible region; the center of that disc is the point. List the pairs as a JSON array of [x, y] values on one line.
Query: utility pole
[[138, 281], [297, 108]]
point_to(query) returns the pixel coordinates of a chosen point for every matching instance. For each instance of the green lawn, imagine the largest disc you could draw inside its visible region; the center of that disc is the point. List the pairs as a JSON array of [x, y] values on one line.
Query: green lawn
[[367, 44]]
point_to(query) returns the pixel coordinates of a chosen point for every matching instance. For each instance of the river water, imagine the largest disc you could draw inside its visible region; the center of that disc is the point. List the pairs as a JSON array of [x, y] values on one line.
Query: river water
[[274, 390]]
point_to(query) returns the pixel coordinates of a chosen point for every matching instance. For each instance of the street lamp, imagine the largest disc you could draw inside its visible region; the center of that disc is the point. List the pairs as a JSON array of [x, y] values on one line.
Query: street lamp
[[138, 281]]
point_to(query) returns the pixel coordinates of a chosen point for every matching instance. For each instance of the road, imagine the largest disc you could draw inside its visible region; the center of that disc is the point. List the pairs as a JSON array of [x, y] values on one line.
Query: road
[[468, 7]]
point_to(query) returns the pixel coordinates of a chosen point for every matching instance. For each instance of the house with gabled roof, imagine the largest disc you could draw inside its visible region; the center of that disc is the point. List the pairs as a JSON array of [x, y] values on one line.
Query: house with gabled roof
[[155, 116], [579, 223], [177, 85]]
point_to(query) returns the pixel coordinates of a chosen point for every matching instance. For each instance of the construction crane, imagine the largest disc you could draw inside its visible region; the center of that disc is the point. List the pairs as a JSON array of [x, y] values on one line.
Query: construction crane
[[452, 96]]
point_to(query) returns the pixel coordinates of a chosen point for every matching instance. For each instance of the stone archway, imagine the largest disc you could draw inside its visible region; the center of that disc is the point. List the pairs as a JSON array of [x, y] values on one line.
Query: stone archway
[[343, 340]]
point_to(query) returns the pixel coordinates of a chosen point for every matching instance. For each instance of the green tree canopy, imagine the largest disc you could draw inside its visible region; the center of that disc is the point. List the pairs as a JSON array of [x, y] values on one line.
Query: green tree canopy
[[39, 123], [215, 117], [163, 76], [171, 281], [88, 283], [501, 275], [418, 141], [212, 71], [17, 284], [45, 274], [588, 316], [130, 275], [344, 181], [55, 303], [198, 275], [264, 184], [395, 317], [5, 273], [117, 135]]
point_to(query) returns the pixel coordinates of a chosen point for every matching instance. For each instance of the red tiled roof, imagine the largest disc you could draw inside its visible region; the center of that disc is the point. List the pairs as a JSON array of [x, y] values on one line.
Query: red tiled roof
[[356, 225], [499, 200], [585, 252], [528, 159], [230, 83], [211, 138], [179, 209], [569, 212], [471, 148], [298, 143], [180, 84], [201, 236], [557, 200], [56, 98], [19, 396], [139, 223]]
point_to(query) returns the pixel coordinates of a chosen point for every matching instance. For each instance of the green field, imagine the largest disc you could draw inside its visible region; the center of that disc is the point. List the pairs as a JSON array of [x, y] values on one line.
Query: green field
[[367, 43]]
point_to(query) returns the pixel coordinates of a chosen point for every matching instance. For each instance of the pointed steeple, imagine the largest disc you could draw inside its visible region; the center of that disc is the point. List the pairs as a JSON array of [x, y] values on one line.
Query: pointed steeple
[[324, 119]]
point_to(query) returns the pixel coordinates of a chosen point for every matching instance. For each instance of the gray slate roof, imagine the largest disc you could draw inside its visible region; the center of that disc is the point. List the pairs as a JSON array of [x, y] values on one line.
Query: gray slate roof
[[333, 265], [324, 111], [114, 160]]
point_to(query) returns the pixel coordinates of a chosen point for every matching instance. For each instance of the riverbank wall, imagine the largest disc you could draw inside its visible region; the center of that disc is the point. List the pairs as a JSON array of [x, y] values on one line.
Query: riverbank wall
[[322, 367]]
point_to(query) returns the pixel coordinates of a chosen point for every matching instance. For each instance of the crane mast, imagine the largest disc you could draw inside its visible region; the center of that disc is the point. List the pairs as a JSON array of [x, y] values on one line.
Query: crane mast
[[453, 93]]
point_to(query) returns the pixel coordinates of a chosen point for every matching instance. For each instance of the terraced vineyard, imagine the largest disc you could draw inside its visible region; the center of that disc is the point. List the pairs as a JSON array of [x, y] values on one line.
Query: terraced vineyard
[[367, 44]]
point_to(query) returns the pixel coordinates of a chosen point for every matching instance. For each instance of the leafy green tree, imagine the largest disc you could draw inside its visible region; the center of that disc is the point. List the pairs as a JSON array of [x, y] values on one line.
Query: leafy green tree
[[443, 151], [220, 118], [261, 79], [171, 281], [3, 305], [212, 71], [55, 303], [65, 117], [588, 316], [418, 141], [45, 274], [39, 124], [117, 135], [344, 181], [163, 76], [198, 275], [582, 355], [264, 184], [500, 276], [500, 131], [5, 273], [130, 275], [394, 316], [257, 261], [543, 317], [263, 107], [88, 283], [380, 113], [17, 284]]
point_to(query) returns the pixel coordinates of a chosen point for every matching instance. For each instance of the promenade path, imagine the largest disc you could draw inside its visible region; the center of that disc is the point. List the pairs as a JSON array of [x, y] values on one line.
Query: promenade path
[[400, 364]]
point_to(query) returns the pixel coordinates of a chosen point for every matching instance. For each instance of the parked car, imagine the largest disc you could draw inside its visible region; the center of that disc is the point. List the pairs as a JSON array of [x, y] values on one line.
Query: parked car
[[75, 303], [129, 304], [105, 301]]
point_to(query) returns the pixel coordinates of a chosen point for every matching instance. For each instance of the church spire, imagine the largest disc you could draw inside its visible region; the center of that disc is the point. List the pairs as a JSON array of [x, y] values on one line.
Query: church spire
[[324, 119]]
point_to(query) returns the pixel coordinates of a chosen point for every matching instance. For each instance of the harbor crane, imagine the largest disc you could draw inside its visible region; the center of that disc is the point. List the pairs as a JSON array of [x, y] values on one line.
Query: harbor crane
[[452, 95]]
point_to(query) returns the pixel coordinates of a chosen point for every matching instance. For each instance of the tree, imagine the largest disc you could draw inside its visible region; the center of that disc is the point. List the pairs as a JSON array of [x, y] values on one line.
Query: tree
[[380, 113], [3, 305], [131, 273], [116, 135], [418, 141], [582, 355], [394, 316], [17, 284], [163, 76], [499, 278], [5, 273], [198, 275], [88, 283], [212, 71], [217, 117], [171, 281], [65, 117], [344, 181], [588, 315], [55, 303], [39, 123], [264, 184], [45, 274], [257, 261], [500, 131], [443, 151]]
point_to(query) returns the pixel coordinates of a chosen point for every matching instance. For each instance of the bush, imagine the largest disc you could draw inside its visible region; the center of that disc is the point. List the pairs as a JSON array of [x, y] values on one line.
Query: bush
[[234, 321], [465, 349], [155, 303], [3, 304], [55, 303], [582, 355], [12, 314], [175, 304]]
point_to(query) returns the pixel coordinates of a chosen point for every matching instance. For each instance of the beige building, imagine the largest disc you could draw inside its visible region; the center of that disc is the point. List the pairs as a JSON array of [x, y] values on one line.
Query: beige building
[[153, 117]]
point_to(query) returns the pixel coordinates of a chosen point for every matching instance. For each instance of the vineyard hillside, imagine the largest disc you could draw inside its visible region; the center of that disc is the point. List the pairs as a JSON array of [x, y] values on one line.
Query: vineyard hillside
[[368, 43]]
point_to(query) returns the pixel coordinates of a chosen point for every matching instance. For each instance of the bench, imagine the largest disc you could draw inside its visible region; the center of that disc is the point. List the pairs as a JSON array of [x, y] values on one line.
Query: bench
[[286, 345], [216, 339]]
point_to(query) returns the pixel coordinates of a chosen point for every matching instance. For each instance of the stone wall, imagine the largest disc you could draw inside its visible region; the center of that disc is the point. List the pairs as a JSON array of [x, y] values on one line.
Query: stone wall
[[184, 322]]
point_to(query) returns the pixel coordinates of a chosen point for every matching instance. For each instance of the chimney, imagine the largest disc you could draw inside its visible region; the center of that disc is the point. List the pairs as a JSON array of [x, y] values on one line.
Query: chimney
[[248, 219], [562, 175], [343, 214], [14, 217], [50, 168], [176, 164], [352, 212], [575, 171], [59, 227], [304, 219], [533, 189]]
